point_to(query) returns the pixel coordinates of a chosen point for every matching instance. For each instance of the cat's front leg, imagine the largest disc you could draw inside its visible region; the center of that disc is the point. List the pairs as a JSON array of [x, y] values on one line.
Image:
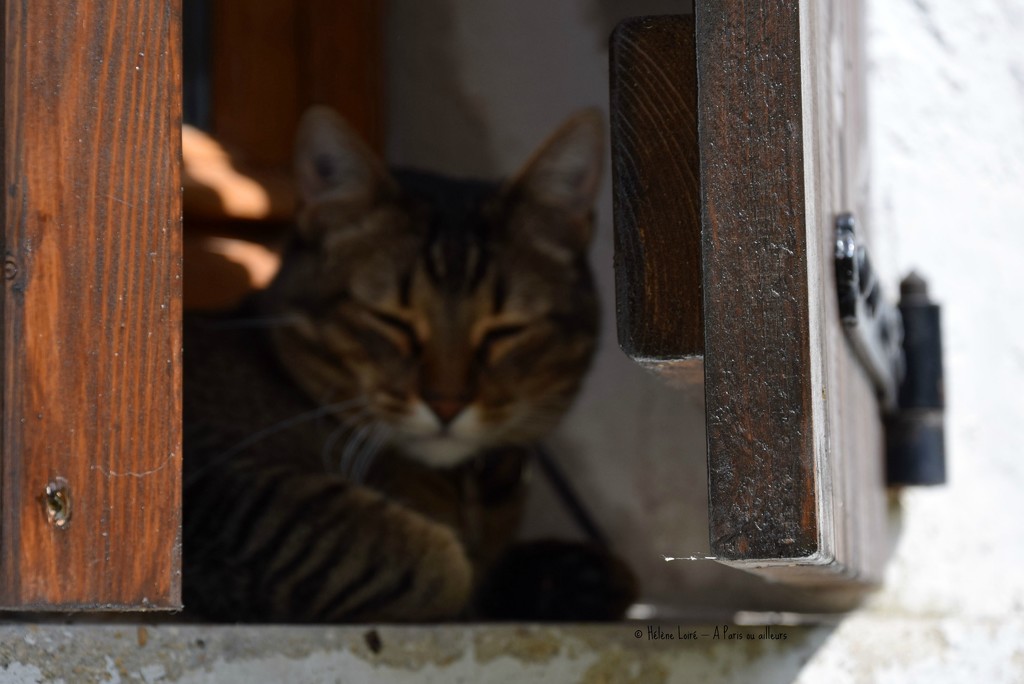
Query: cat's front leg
[[316, 548]]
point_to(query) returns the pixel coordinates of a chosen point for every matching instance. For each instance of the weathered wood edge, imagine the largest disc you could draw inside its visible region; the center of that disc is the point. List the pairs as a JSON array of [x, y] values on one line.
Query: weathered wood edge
[[655, 174], [764, 484], [841, 503]]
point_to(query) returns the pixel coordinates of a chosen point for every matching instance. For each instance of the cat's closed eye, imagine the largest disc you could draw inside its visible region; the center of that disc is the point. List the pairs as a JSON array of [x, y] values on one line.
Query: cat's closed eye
[[499, 340], [398, 330]]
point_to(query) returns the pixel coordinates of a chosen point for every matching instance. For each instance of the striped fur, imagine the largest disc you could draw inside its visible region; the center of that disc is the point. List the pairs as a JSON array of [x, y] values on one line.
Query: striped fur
[[356, 434]]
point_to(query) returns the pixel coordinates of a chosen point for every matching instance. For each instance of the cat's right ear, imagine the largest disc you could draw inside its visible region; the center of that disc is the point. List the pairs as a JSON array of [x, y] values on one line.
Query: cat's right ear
[[333, 164]]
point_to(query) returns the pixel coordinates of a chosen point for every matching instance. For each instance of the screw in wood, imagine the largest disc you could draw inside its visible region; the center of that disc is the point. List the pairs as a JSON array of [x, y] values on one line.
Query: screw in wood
[[57, 502], [10, 268]]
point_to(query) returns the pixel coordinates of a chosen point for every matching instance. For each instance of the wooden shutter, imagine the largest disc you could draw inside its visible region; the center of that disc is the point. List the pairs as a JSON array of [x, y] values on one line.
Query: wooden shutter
[[795, 441], [91, 310]]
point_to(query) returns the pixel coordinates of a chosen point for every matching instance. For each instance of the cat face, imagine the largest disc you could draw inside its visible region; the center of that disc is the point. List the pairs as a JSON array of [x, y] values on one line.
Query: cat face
[[449, 315]]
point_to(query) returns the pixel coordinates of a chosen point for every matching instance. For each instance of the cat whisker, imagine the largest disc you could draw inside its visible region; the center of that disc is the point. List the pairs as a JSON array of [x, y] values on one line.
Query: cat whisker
[[369, 455], [346, 463], [330, 443], [345, 429], [353, 430], [259, 435]]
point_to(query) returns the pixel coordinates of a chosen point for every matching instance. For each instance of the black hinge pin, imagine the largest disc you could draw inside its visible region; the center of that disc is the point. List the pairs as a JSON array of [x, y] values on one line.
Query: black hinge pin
[[915, 432]]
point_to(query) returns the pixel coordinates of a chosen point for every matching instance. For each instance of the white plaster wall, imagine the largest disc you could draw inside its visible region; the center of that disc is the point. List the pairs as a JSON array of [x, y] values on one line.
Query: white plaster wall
[[947, 145]]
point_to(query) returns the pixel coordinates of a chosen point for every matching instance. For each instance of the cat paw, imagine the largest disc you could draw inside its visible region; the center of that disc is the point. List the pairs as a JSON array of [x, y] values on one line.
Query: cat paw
[[554, 580]]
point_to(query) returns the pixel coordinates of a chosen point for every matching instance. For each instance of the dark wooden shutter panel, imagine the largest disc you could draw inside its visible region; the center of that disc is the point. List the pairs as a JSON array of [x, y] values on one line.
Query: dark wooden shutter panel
[[795, 442]]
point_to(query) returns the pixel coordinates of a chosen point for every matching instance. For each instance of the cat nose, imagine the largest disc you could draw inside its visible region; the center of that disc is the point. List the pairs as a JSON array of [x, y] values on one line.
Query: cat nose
[[446, 408]]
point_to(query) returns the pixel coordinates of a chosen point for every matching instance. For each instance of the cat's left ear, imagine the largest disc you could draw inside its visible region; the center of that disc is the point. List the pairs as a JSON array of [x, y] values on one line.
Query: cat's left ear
[[332, 163], [564, 174]]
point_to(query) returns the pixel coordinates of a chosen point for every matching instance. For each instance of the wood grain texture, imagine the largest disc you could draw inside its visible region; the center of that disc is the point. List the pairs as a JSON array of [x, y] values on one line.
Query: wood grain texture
[[274, 58], [761, 464], [343, 66], [656, 177], [793, 429], [92, 306]]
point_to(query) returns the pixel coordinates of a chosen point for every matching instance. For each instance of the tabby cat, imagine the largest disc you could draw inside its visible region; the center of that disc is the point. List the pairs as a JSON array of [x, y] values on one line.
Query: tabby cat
[[357, 435]]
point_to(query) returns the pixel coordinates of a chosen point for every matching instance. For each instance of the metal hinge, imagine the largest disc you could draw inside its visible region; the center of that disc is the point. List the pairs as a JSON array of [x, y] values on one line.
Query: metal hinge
[[900, 348]]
